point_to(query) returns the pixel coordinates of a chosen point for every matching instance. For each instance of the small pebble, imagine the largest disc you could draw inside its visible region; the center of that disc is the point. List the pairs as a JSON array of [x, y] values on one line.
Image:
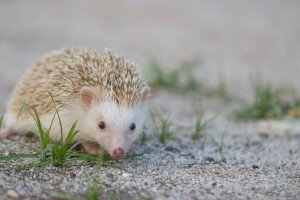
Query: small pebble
[[208, 158], [171, 148], [12, 194], [190, 165], [255, 166], [224, 160], [29, 135], [125, 175]]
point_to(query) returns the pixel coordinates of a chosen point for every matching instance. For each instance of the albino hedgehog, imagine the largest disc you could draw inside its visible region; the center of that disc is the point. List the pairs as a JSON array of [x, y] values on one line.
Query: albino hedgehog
[[104, 92]]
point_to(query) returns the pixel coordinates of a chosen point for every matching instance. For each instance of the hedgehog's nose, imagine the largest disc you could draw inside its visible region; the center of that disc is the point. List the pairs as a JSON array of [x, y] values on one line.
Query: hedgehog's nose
[[118, 153]]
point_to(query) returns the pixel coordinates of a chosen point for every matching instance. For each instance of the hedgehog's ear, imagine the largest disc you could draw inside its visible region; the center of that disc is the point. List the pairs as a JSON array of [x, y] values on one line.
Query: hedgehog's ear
[[87, 96], [144, 94]]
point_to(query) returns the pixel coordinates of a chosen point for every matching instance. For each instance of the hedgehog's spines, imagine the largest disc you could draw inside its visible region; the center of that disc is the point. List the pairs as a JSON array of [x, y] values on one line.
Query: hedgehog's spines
[[65, 72]]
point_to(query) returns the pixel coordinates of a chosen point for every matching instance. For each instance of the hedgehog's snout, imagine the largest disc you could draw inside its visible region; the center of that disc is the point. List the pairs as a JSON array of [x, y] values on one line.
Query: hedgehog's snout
[[118, 153]]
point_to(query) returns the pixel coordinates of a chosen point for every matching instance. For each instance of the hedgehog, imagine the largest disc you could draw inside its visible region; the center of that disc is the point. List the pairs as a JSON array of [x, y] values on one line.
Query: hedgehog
[[103, 92]]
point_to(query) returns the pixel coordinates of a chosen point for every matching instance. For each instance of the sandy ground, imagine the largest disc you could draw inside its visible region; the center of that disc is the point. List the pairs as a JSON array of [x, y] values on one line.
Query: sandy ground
[[227, 39]]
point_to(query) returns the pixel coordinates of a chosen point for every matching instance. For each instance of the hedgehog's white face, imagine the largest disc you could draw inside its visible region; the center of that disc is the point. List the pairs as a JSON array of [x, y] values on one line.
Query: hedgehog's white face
[[114, 127]]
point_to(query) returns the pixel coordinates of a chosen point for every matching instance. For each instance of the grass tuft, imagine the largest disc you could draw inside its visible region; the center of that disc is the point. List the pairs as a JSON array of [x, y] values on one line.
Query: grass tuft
[[269, 103], [182, 79], [220, 145], [163, 128], [55, 152], [52, 152], [43, 133], [220, 91], [200, 126], [144, 137], [60, 151], [179, 79], [165, 131]]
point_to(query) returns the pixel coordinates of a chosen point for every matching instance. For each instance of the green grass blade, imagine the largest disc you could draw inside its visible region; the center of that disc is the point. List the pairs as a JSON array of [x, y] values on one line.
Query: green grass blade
[[38, 122], [72, 133], [43, 137], [59, 119], [222, 141], [144, 136], [21, 109], [51, 124], [1, 119], [45, 140], [75, 145]]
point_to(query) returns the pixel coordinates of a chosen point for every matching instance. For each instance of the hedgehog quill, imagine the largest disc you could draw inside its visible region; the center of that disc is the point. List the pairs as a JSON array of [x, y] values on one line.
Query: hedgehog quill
[[103, 91]]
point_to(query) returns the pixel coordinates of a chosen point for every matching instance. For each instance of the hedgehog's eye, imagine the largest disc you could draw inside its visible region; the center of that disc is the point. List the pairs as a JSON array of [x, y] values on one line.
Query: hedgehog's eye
[[102, 125], [132, 127]]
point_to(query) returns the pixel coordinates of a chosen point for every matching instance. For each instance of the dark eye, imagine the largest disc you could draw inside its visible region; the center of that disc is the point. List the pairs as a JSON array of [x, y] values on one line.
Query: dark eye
[[132, 127], [102, 125]]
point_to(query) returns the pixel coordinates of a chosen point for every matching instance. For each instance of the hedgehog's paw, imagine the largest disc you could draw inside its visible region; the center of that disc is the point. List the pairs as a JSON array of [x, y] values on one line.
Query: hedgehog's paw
[[91, 148], [6, 133]]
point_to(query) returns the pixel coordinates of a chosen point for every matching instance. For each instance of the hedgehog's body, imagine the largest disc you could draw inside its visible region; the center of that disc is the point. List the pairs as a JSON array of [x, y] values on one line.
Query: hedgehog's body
[[87, 86]]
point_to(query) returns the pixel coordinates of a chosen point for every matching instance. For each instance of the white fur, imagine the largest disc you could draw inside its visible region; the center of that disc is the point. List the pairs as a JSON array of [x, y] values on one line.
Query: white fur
[[117, 133], [118, 119]]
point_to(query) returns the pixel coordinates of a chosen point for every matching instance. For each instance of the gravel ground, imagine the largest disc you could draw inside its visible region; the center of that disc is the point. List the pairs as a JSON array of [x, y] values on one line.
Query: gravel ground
[[228, 39]]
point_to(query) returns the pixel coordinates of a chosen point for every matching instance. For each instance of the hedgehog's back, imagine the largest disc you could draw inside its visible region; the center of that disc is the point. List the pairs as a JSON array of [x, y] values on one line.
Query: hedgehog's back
[[63, 73]]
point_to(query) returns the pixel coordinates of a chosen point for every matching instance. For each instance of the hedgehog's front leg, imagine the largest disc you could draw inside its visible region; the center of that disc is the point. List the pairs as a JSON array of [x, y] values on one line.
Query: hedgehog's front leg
[[6, 133], [91, 148]]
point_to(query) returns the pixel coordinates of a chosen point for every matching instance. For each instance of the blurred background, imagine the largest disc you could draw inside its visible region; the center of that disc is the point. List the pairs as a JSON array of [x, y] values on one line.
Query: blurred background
[[229, 39]]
